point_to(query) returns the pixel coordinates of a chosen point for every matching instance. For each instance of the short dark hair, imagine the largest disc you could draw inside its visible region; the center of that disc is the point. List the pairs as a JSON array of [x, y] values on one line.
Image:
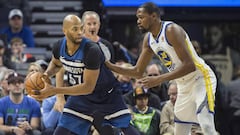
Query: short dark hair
[[15, 78], [150, 8]]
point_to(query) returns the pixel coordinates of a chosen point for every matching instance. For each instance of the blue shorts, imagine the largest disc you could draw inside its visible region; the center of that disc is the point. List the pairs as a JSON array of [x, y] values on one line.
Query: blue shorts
[[81, 126]]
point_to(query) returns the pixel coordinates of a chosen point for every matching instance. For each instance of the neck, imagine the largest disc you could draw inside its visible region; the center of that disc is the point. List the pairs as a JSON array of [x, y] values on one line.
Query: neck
[[16, 30], [16, 98], [142, 109], [156, 29], [71, 47]]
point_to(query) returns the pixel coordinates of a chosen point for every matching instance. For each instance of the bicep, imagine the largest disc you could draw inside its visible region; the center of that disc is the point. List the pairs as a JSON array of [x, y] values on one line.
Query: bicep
[[90, 77], [177, 38]]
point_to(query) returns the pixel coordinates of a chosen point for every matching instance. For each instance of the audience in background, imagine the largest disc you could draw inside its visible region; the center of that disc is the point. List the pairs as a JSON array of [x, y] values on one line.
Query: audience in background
[[19, 114], [145, 118], [4, 72], [125, 81], [4, 58], [17, 29], [160, 90], [17, 54], [153, 100]]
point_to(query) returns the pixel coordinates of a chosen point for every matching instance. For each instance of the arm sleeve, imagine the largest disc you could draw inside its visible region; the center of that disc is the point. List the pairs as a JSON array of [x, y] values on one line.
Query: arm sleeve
[[110, 47], [56, 49], [93, 56], [49, 115]]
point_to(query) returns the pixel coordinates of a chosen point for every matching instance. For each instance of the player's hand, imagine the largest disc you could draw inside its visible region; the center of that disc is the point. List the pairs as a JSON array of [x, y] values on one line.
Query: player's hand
[[150, 81], [45, 92], [106, 51]]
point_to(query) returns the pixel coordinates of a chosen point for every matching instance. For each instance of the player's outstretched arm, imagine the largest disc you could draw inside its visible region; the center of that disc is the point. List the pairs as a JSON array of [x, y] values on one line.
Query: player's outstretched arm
[[137, 70]]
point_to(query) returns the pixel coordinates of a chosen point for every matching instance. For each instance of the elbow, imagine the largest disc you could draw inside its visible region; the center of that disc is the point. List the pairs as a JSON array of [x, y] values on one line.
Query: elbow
[[89, 89], [191, 67], [138, 74]]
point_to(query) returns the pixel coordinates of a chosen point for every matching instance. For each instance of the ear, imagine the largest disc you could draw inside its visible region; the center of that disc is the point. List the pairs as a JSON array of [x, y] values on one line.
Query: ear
[[154, 15], [63, 30]]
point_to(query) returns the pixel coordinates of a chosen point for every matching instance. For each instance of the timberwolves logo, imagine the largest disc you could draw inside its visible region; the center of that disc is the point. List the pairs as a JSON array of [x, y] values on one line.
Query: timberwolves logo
[[165, 59]]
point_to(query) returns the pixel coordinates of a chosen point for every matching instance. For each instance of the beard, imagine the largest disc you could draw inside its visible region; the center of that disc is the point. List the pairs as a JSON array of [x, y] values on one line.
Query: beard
[[74, 40]]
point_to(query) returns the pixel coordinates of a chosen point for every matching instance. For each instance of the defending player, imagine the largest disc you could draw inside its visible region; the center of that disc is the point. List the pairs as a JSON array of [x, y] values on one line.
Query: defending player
[[196, 81]]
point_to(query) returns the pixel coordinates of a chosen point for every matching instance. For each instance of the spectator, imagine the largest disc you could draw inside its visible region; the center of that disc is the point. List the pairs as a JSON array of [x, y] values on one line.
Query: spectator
[[17, 48], [153, 99], [167, 114], [19, 114], [38, 66], [4, 72], [161, 89], [125, 81], [4, 59], [50, 115], [17, 29], [146, 119], [19, 4]]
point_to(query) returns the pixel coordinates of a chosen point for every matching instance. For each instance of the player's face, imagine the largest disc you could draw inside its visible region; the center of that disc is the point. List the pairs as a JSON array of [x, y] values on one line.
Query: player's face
[[75, 33], [91, 25], [142, 20]]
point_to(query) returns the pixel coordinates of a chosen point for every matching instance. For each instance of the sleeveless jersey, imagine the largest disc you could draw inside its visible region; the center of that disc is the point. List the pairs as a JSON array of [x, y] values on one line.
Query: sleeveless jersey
[[167, 55], [105, 97]]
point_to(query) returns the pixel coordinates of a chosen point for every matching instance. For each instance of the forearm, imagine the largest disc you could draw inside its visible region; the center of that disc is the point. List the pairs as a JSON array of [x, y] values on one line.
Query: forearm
[[7, 129], [177, 73], [52, 69], [128, 71], [82, 89]]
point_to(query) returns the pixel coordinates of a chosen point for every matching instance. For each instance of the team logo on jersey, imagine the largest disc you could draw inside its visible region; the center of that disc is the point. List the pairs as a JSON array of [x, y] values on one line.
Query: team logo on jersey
[[165, 58]]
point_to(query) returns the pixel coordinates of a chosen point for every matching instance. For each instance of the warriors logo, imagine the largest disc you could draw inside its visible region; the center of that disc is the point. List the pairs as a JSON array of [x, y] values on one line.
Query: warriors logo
[[165, 59]]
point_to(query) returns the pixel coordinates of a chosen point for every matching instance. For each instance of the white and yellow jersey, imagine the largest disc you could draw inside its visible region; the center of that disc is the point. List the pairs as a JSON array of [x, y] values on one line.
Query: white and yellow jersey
[[166, 52], [167, 55]]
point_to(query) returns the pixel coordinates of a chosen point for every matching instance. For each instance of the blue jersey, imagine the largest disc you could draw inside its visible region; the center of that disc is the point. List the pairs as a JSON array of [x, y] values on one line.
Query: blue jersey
[[105, 97]]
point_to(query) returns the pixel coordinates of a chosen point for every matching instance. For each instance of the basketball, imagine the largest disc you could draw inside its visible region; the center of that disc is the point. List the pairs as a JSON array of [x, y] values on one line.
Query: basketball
[[34, 82]]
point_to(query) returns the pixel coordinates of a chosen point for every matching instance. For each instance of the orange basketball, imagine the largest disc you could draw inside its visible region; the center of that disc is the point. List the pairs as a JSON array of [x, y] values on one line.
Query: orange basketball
[[34, 82]]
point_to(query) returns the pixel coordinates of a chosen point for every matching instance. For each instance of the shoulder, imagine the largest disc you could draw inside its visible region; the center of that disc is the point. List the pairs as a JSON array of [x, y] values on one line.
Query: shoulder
[[4, 99], [5, 30], [26, 29], [90, 45], [31, 100], [104, 41]]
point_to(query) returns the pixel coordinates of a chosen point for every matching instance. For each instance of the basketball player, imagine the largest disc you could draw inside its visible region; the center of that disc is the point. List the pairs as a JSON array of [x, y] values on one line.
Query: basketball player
[[196, 81], [93, 86]]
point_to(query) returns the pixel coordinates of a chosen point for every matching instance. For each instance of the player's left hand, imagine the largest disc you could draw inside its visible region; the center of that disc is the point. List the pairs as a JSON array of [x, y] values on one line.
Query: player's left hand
[[45, 92], [150, 81]]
